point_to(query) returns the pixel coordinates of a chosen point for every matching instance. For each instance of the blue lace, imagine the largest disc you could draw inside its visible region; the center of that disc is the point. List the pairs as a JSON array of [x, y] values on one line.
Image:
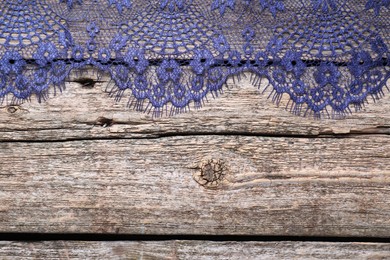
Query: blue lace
[[326, 56]]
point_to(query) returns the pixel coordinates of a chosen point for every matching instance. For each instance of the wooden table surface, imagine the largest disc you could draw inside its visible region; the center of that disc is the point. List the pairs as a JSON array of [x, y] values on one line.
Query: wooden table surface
[[85, 177]]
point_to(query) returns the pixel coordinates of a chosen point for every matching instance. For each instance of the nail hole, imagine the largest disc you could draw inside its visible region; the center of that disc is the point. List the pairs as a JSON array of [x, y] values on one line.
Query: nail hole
[[104, 122]]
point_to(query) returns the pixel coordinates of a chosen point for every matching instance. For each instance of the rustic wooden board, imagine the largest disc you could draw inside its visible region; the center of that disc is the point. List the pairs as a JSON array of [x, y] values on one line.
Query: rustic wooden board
[[188, 249], [86, 113], [82, 163], [267, 186]]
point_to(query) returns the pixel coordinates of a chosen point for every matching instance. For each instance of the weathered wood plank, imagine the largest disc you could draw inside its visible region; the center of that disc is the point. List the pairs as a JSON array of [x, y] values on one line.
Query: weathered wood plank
[[189, 249], [83, 113], [267, 186]]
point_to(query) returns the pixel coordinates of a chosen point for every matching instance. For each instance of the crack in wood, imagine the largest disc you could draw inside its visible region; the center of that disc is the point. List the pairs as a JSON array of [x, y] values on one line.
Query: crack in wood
[[152, 136]]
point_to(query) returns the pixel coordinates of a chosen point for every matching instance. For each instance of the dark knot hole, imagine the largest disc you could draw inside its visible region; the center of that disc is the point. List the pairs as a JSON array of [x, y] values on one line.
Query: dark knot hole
[[86, 82]]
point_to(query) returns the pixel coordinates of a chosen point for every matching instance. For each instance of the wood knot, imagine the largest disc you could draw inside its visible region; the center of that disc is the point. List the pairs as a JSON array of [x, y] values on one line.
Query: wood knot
[[12, 109], [211, 173]]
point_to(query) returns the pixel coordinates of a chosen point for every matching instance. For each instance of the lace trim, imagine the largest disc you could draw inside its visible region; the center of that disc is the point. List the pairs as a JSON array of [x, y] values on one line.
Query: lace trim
[[327, 56]]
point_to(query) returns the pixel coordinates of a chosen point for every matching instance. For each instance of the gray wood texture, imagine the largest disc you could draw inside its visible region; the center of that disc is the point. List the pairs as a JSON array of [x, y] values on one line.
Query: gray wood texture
[[81, 163], [88, 113], [192, 250], [269, 186]]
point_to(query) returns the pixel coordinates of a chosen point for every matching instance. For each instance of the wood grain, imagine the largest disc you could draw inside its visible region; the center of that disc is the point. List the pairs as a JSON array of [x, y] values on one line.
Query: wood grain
[[82, 163], [270, 186], [88, 113], [189, 249]]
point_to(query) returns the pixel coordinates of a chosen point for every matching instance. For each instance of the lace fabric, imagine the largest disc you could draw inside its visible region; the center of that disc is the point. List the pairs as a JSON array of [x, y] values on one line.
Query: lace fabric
[[326, 56]]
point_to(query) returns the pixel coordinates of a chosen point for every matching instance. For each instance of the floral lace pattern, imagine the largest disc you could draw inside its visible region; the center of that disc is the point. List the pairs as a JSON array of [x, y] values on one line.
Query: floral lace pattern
[[326, 56]]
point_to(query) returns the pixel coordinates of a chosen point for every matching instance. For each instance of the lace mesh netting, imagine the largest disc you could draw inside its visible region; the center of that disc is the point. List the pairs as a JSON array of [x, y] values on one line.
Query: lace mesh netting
[[326, 56]]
